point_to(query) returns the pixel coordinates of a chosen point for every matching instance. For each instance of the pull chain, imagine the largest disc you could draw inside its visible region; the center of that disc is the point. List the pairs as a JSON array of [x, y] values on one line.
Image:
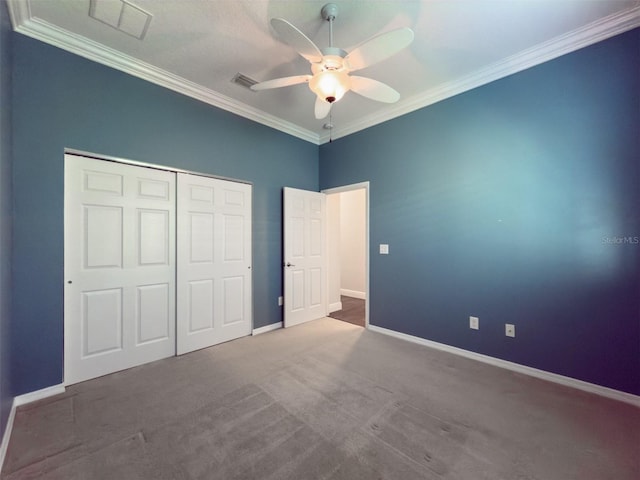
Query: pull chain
[[330, 126]]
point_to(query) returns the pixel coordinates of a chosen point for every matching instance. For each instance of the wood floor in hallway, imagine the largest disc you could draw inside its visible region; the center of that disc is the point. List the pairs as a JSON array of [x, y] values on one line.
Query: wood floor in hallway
[[352, 311]]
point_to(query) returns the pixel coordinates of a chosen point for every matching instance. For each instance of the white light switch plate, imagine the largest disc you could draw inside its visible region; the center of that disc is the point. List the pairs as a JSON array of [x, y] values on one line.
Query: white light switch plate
[[384, 249]]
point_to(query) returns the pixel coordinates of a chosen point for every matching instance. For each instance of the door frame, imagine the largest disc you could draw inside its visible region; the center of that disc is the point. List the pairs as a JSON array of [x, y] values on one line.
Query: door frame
[[349, 188], [126, 161]]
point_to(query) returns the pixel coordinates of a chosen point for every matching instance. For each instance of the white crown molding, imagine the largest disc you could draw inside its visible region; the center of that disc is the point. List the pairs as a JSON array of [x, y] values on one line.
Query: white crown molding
[[34, 27], [516, 367], [19, 12], [24, 22], [594, 32]]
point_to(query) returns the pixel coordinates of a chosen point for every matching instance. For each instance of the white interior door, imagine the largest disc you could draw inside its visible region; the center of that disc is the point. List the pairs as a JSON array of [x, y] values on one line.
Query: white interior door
[[304, 256], [119, 266], [214, 261]]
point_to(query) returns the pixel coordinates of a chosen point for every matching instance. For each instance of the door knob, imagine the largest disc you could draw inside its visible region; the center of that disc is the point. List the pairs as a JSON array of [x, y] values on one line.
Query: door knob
[[289, 264]]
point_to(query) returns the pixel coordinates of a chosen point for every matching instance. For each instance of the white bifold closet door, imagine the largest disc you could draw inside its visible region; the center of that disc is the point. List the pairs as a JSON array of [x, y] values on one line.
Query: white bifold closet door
[[214, 261], [129, 297], [119, 267]]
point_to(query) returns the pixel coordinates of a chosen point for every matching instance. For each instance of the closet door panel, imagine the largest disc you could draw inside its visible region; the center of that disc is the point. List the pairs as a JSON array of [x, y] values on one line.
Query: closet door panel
[[119, 266], [214, 261]]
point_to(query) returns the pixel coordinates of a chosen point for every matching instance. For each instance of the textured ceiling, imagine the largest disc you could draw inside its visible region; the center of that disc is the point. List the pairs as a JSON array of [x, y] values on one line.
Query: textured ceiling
[[197, 46]]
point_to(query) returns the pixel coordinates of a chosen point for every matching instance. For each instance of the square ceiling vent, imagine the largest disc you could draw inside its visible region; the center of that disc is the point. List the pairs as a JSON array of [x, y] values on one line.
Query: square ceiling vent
[[121, 15]]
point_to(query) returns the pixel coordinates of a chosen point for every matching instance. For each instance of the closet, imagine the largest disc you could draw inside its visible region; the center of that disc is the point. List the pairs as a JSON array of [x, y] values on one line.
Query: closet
[[157, 263]]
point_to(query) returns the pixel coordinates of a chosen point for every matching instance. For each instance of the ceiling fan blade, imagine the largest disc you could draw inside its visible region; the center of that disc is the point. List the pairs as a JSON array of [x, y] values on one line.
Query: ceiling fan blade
[[322, 108], [374, 90], [281, 82], [378, 48], [296, 39]]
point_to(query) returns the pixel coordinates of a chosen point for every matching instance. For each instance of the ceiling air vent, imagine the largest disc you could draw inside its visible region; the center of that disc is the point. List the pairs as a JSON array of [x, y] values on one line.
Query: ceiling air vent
[[243, 80], [121, 15]]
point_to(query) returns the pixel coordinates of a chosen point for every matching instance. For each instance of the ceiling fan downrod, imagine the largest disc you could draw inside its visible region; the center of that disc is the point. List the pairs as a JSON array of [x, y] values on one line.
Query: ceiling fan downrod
[[329, 13]]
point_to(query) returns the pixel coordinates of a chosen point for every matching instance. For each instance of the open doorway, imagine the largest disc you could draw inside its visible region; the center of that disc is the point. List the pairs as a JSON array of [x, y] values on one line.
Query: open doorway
[[348, 253]]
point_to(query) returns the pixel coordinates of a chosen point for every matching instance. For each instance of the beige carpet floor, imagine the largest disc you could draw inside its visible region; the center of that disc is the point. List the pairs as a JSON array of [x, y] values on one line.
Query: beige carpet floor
[[324, 400]]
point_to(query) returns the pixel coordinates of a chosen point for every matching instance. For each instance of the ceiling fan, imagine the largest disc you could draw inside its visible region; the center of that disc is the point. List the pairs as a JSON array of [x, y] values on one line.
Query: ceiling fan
[[331, 66]]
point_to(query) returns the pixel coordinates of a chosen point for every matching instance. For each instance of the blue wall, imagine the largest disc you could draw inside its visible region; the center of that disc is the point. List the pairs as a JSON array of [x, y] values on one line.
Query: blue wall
[[505, 202], [496, 203], [6, 397], [62, 100]]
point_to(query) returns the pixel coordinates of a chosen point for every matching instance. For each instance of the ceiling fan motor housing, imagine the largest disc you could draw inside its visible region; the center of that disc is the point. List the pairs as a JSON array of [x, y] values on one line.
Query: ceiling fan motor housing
[[329, 62]]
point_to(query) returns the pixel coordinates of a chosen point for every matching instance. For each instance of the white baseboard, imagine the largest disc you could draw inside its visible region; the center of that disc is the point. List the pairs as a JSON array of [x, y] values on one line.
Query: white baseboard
[[38, 395], [516, 367], [7, 434], [335, 307], [266, 328], [23, 400], [353, 294]]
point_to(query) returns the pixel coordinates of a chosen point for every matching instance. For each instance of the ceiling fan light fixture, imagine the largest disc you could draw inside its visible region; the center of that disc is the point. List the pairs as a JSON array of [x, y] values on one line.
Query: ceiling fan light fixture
[[331, 66], [330, 85]]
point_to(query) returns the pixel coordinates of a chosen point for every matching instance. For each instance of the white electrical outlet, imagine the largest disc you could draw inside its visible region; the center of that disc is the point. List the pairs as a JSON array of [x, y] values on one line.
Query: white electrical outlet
[[474, 323], [384, 249], [509, 330], [280, 301]]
